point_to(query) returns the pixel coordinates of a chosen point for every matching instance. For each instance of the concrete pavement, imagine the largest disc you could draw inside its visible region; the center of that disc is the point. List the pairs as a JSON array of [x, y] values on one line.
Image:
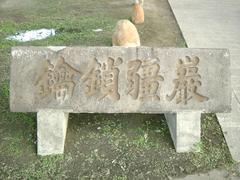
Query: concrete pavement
[[216, 24]]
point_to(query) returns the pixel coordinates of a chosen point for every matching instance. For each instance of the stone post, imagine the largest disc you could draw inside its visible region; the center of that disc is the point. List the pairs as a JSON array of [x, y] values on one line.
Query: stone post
[[51, 131], [185, 129]]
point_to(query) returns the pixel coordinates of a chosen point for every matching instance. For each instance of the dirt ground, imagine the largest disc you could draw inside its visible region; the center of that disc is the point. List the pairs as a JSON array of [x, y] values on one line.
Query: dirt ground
[[98, 146]]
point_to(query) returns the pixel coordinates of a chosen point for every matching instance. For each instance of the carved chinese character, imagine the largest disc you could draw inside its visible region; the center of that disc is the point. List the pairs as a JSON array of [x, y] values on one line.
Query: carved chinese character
[[150, 80], [133, 78], [57, 81], [144, 85], [187, 83], [103, 79], [92, 78]]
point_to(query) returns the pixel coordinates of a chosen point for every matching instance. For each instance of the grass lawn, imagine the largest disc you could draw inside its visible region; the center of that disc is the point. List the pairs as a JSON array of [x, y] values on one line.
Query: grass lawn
[[107, 146]]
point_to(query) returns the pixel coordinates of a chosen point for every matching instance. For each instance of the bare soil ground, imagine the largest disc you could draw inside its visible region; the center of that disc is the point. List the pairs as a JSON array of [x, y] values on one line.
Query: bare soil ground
[[98, 146]]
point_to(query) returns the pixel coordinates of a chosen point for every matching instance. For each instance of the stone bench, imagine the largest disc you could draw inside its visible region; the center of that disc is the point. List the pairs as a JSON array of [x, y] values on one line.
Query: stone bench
[[181, 83]]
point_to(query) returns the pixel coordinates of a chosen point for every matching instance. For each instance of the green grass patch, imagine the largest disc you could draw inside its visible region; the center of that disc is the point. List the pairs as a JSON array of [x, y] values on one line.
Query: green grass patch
[[69, 31], [212, 152]]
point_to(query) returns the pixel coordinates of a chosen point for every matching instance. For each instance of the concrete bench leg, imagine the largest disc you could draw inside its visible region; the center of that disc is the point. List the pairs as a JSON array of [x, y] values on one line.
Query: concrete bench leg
[[185, 129], [51, 131]]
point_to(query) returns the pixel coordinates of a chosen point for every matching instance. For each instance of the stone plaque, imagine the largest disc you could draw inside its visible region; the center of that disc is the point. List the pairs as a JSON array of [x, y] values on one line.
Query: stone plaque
[[120, 79]]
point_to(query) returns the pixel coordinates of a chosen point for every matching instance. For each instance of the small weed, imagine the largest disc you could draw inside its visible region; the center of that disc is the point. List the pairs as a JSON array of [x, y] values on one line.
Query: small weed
[[4, 90], [143, 141], [212, 151], [45, 168], [120, 178], [198, 147]]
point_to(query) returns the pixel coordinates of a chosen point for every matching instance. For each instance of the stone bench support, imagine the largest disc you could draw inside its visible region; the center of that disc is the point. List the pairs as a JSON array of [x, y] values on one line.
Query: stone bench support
[[51, 131], [185, 129]]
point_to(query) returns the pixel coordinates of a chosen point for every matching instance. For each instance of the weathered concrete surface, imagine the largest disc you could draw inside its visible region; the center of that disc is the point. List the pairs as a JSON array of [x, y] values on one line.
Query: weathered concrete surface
[[212, 175], [51, 131], [214, 24], [185, 129], [73, 79], [210, 24]]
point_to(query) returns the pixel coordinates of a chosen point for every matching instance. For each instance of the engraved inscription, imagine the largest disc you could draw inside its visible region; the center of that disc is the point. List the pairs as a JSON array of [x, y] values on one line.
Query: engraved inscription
[[103, 79], [187, 83], [57, 81], [133, 78], [144, 85], [92, 79]]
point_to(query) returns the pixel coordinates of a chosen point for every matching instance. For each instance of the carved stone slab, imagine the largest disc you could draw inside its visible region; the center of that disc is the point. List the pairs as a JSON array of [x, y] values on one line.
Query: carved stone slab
[[120, 79]]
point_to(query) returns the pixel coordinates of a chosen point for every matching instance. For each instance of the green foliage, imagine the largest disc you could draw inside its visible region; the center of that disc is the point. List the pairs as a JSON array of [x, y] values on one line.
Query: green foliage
[[69, 31], [4, 91], [212, 151], [120, 178], [43, 168], [14, 146]]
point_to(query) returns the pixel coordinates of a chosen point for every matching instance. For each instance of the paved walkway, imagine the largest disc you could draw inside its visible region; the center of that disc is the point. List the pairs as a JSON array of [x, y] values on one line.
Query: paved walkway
[[216, 24], [212, 175]]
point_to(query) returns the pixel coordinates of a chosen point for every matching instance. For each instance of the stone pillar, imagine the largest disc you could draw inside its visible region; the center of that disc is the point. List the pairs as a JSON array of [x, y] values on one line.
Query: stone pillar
[[51, 131], [185, 129]]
